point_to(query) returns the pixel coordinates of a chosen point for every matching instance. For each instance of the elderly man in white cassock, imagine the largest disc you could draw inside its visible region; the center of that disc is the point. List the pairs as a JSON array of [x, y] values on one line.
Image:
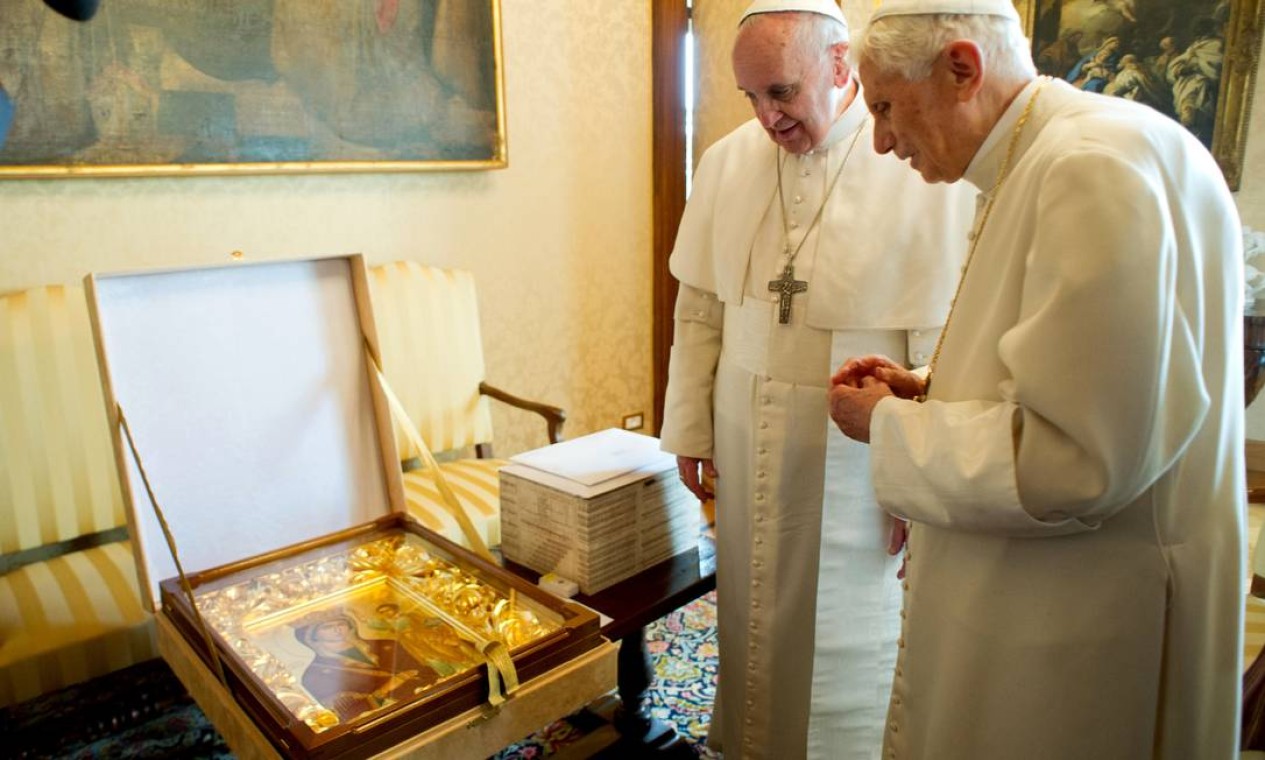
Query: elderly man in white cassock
[[799, 247], [1072, 462]]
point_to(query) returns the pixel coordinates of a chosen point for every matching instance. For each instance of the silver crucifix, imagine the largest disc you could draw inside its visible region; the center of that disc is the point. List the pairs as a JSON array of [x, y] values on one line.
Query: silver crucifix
[[785, 287]]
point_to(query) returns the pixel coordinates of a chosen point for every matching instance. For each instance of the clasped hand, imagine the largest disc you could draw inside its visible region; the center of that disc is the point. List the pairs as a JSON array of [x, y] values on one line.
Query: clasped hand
[[855, 389], [858, 386]]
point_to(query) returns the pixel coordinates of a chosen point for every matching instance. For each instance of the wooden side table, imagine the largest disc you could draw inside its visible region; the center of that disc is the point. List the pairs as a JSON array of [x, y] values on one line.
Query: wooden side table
[[632, 605]]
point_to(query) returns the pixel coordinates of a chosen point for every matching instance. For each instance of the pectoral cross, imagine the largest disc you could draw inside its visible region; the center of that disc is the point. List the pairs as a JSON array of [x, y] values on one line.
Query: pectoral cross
[[785, 287]]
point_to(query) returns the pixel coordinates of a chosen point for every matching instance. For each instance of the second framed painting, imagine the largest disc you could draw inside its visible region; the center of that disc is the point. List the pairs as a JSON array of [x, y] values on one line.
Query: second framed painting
[[1192, 60]]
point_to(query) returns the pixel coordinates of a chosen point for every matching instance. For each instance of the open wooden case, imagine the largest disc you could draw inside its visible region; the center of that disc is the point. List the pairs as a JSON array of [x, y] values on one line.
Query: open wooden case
[[301, 607]]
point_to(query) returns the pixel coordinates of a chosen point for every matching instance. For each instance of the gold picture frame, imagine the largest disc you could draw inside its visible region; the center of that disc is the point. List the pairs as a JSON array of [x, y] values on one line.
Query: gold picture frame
[[339, 636], [186, 87], [1194, 61], [348, 644]]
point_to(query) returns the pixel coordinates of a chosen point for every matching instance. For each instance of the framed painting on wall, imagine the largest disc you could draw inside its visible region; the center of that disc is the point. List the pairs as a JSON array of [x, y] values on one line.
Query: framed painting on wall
[[188, 87], [1193, 60]]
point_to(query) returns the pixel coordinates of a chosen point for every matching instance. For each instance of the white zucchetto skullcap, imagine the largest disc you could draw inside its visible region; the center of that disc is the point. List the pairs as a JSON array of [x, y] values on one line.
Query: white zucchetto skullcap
[[1005, 8], [823, 7]]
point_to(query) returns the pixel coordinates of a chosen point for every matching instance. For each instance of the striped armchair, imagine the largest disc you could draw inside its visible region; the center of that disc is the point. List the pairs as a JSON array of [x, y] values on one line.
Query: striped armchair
[[70, 607], [432, 355]]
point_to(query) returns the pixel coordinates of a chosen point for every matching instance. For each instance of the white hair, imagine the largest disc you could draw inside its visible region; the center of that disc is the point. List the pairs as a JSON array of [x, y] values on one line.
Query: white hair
[[909, 45], [814, 33]]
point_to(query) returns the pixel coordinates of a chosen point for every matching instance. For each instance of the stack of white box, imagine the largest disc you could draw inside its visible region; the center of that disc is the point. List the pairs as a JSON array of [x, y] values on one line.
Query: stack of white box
[[596, 509]]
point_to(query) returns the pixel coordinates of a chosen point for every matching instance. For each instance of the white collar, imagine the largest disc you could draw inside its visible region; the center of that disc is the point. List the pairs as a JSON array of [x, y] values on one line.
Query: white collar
[[982, 171]]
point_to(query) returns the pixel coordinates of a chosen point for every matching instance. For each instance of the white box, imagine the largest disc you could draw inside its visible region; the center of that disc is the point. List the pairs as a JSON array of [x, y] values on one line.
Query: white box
[[596, 509], [250, 395]]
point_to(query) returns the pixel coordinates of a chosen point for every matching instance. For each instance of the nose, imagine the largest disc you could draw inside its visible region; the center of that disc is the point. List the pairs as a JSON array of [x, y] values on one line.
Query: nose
[[884, 141], [767, 113]]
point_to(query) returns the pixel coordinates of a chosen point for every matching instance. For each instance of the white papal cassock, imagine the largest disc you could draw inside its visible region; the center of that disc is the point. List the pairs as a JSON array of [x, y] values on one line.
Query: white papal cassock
[[1076, 479], [805, 665]]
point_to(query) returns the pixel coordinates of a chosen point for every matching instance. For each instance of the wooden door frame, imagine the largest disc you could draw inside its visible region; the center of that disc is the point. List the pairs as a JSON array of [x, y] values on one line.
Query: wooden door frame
[[669, 22]]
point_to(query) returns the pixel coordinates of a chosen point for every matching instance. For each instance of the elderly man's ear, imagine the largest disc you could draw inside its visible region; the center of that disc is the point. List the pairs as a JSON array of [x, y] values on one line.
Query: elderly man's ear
[[839, 57], [966, 65]]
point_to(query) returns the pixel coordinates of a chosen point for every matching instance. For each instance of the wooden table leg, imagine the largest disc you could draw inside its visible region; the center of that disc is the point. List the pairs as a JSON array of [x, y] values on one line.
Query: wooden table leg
[[640, 733]]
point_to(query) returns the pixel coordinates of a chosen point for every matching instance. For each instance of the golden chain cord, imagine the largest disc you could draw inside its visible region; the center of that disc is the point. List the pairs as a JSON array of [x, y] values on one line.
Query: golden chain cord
[[1002, 174], [786, 231]]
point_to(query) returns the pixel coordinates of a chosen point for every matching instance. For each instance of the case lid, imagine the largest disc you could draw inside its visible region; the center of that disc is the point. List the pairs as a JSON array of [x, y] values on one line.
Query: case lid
[[255, 413], [593, 464]]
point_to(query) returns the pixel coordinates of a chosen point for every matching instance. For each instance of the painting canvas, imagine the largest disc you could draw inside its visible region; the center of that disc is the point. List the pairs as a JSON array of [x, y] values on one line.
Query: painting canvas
[[364, 652], [254, 86], [1192, 60]]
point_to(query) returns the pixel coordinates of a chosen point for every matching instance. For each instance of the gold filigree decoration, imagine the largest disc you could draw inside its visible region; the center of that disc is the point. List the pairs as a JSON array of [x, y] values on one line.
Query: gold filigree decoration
[[493, 622]]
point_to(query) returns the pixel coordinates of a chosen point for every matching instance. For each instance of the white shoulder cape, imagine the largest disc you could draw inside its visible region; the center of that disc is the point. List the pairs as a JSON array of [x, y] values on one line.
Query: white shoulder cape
[[890, 252]]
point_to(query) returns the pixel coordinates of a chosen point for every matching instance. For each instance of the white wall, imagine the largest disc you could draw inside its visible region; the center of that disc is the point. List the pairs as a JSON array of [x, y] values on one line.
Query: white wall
[[559, 242]]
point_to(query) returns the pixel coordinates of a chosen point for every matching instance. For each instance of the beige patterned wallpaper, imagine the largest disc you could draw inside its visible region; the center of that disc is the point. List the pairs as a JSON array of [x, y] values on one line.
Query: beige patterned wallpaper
[[559, 242], [720, 106]]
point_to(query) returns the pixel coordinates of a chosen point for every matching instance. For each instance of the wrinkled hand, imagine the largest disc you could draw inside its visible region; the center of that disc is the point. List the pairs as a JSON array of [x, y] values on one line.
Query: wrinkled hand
[[688, 468], [851, 408], [896, 542], [903, 383], [897, 537]]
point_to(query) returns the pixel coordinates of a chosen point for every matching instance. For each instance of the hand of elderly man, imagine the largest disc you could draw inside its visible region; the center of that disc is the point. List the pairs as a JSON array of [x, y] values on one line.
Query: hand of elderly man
[[851, 408], [896, 540], [688, 468], [903, 383]]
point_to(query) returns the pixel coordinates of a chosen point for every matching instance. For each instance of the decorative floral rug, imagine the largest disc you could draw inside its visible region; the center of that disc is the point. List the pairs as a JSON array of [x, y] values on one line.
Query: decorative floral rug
[[160, 720], [683, 648]]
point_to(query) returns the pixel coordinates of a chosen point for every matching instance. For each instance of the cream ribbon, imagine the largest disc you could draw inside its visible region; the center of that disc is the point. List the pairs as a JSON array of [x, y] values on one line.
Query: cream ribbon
[[448, 498], [185, 586]]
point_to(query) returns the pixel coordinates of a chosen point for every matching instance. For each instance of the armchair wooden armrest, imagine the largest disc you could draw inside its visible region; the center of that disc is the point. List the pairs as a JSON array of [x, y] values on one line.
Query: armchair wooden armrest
[[554, 416]]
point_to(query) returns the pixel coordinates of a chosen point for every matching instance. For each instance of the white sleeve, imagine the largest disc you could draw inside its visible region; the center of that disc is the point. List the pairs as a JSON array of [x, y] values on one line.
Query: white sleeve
[[1105, 389], [687, 409]]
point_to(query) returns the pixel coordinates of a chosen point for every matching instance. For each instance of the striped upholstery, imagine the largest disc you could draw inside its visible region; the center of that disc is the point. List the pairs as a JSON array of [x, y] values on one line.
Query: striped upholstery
[[477, 486], [432, 354], [56, 468], [79, 615], [70, 619]]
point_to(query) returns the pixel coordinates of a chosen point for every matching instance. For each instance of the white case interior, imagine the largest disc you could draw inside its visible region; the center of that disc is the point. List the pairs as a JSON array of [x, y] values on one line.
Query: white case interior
[[247, 392]]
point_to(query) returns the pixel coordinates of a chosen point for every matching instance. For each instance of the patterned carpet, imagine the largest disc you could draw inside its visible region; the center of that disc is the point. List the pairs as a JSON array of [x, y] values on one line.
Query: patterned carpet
[[683, 648], [161, 720]]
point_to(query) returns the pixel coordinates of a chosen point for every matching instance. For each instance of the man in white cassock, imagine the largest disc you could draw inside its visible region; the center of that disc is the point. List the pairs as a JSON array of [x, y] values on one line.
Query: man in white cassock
[[799, 246], [1074, 470]]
